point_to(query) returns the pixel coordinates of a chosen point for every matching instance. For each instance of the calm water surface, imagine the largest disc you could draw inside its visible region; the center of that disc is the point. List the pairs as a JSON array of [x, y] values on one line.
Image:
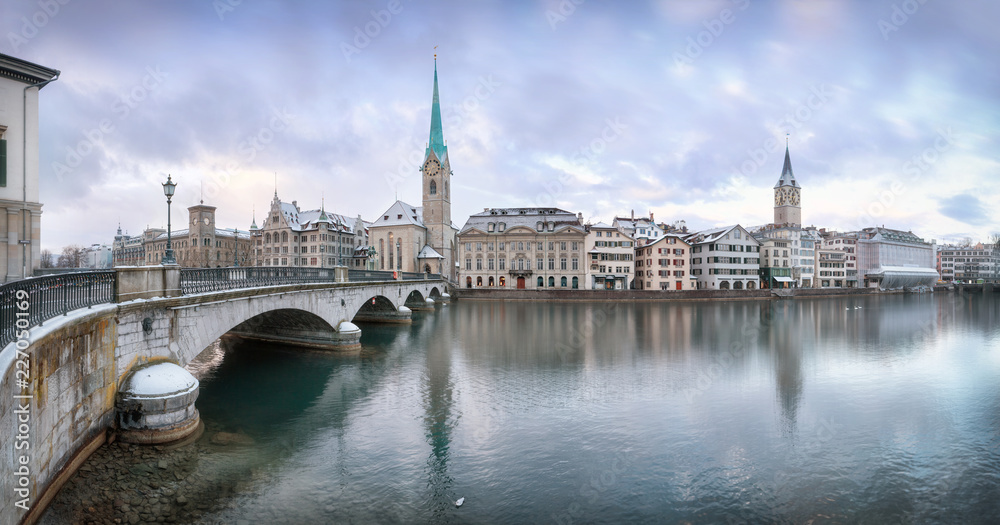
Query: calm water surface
[[853, 410]]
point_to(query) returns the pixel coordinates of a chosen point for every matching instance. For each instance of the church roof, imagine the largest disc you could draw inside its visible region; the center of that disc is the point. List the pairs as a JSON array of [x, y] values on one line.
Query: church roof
[[401, 214], [787, 177], [429, 253], [436, 141]]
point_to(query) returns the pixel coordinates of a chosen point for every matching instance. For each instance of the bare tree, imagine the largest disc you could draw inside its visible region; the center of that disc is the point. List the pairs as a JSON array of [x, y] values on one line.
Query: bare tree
[[72, 257], [995, 240], [46, 259]]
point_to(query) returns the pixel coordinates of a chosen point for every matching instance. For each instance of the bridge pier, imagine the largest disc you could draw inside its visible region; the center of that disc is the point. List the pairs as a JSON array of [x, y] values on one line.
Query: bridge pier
[[399, 316], [156, 405], [346, 339]]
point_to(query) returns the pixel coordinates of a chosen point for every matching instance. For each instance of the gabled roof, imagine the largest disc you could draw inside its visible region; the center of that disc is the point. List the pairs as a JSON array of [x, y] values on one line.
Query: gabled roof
[[523, 217], [429, 253], [400, 214], [713, 235]]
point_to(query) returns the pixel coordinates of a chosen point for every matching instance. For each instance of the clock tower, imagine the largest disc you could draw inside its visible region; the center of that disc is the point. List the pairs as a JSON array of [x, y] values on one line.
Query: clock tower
[[436, 190], [787, 194]]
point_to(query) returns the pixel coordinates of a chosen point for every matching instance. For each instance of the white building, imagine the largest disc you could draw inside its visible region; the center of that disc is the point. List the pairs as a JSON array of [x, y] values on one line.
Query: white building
[[893, 256], [641, 229], [98, 256], [726, 258], [610, 258], [970, 263], [20, 206]]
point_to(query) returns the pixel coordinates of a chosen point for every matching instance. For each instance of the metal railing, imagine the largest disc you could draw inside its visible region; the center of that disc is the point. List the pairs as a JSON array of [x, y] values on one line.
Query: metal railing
[[31, 302], [197, 280]]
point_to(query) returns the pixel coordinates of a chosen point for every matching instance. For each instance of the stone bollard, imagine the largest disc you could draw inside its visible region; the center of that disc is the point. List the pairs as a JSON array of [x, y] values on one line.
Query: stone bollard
[[155, 404]]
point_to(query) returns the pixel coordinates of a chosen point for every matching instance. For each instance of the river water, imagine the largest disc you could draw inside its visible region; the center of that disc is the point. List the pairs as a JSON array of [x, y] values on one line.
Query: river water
[[837, 410]]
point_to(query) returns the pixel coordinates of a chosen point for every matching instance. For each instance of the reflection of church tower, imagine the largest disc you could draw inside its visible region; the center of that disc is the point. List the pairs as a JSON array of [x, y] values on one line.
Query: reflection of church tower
[[436, 190], [787, 208]]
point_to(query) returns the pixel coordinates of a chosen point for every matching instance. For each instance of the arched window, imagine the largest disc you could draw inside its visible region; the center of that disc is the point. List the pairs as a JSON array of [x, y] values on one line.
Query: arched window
[[479, 280], [552, 282], [392, 257], [724, 285], [434, 188], [381, 254], [738, 285], [576, 283], [399, 254], [541, 282], [491, 281], [503, 281], [468, 282], [284, 236], [562, 282], [751, 285]]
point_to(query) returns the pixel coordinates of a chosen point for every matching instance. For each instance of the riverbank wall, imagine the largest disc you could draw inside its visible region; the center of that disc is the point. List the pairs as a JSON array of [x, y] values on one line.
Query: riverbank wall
[[655, 295]]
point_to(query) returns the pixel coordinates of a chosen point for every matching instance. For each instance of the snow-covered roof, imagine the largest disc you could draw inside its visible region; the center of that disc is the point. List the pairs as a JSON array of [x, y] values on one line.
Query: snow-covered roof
[[523, 217], [429, 253], [713, 235], [401, 214]]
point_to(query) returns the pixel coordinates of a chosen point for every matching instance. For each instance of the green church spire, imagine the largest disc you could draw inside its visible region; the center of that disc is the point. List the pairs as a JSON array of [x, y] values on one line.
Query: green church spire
[[436, 141]]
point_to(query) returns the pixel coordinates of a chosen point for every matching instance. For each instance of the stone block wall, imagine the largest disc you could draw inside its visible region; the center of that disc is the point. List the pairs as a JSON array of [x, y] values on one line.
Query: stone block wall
[[72, 387]]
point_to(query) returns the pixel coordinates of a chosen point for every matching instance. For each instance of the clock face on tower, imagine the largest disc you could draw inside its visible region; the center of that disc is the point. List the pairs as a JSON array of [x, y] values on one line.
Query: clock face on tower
[[777, 198], [432, 167], [795, 198], [207, 221]]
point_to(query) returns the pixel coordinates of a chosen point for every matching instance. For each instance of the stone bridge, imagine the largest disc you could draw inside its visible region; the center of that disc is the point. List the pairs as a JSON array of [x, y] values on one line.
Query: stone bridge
[[70, 385]]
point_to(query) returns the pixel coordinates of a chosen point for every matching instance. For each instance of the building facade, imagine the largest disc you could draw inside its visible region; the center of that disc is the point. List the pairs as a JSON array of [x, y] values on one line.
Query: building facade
[[127, 250], [726, 258], [523, 248], [664, 264], [831, 268], [20, 205], [316, 238], [200, 245], [775, 264], [887, 255], [970, 263], [610, 258], [847, 243], [642, 230]]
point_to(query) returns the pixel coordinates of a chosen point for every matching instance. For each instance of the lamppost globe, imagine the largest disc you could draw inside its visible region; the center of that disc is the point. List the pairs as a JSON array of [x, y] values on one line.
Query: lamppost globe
[[168, 190]]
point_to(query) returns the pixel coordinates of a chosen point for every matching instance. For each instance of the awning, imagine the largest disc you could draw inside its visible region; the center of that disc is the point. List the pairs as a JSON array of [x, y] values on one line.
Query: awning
[[904, 276], [784, 279]]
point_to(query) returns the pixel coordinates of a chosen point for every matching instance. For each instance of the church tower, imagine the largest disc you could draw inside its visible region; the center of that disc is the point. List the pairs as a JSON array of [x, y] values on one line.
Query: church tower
[[787, 192], [436, 189]]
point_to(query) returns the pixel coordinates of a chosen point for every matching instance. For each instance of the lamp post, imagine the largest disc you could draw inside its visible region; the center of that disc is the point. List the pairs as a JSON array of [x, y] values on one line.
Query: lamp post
[[236, 248], [168, 190]]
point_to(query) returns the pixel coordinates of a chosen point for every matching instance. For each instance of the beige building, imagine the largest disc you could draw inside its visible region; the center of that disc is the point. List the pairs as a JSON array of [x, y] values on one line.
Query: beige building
[[776, 262], [201, 245], [290, 236], [664, 264], [20, 206], [523, 248], [611, 258], [831, 268]]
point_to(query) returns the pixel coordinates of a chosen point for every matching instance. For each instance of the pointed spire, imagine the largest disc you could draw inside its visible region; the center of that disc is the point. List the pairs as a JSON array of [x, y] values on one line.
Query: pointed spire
[[436, 142], [253, 225], [787, 177]]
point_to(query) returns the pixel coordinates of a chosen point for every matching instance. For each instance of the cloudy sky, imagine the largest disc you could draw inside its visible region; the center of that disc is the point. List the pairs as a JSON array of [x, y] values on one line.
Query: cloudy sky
[[680, 108]]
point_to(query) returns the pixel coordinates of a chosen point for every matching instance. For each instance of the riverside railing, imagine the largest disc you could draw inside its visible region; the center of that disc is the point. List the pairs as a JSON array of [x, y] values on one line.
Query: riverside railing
[[197, 280], [31, 302]]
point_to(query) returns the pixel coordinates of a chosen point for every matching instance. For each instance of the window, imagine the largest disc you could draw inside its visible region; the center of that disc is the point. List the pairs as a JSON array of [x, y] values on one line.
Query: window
[[541, 264], [562, 245], [502, 227], [479, 246], [562, 264], [489, 263], [552, 282], [468, 264], [3, 163], [562, 282], [576, 283], [501, 247], [434, 188], [479, 264], [503, 263], [539, 227], [489, 227], [552, 263], [541, 282], [576, 266]]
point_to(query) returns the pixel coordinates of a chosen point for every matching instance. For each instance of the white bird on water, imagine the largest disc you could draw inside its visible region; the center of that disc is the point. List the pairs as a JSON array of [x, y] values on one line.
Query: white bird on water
[[460, 502]]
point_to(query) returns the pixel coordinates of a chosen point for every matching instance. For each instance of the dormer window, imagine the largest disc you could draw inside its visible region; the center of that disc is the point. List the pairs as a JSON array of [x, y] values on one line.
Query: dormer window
[[386, 217], [539, 226], [552, 226], [489, 227], [503, 225], [400, 216]]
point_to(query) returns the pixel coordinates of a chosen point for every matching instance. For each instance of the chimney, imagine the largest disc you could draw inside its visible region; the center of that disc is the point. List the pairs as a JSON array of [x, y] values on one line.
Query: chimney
[[580, 216], [633, 214], [650, 216]]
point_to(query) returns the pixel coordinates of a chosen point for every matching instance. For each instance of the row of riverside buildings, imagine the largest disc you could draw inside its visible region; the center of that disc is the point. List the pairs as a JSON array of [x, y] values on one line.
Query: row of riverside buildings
[[546, 248]]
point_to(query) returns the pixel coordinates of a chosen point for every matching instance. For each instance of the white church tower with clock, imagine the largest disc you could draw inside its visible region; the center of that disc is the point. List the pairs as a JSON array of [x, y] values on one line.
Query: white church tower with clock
[[787, 195]]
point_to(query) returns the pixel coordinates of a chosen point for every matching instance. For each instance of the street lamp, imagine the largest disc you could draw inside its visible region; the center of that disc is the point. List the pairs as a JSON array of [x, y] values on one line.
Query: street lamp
[[236, 249], [168, 190]]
